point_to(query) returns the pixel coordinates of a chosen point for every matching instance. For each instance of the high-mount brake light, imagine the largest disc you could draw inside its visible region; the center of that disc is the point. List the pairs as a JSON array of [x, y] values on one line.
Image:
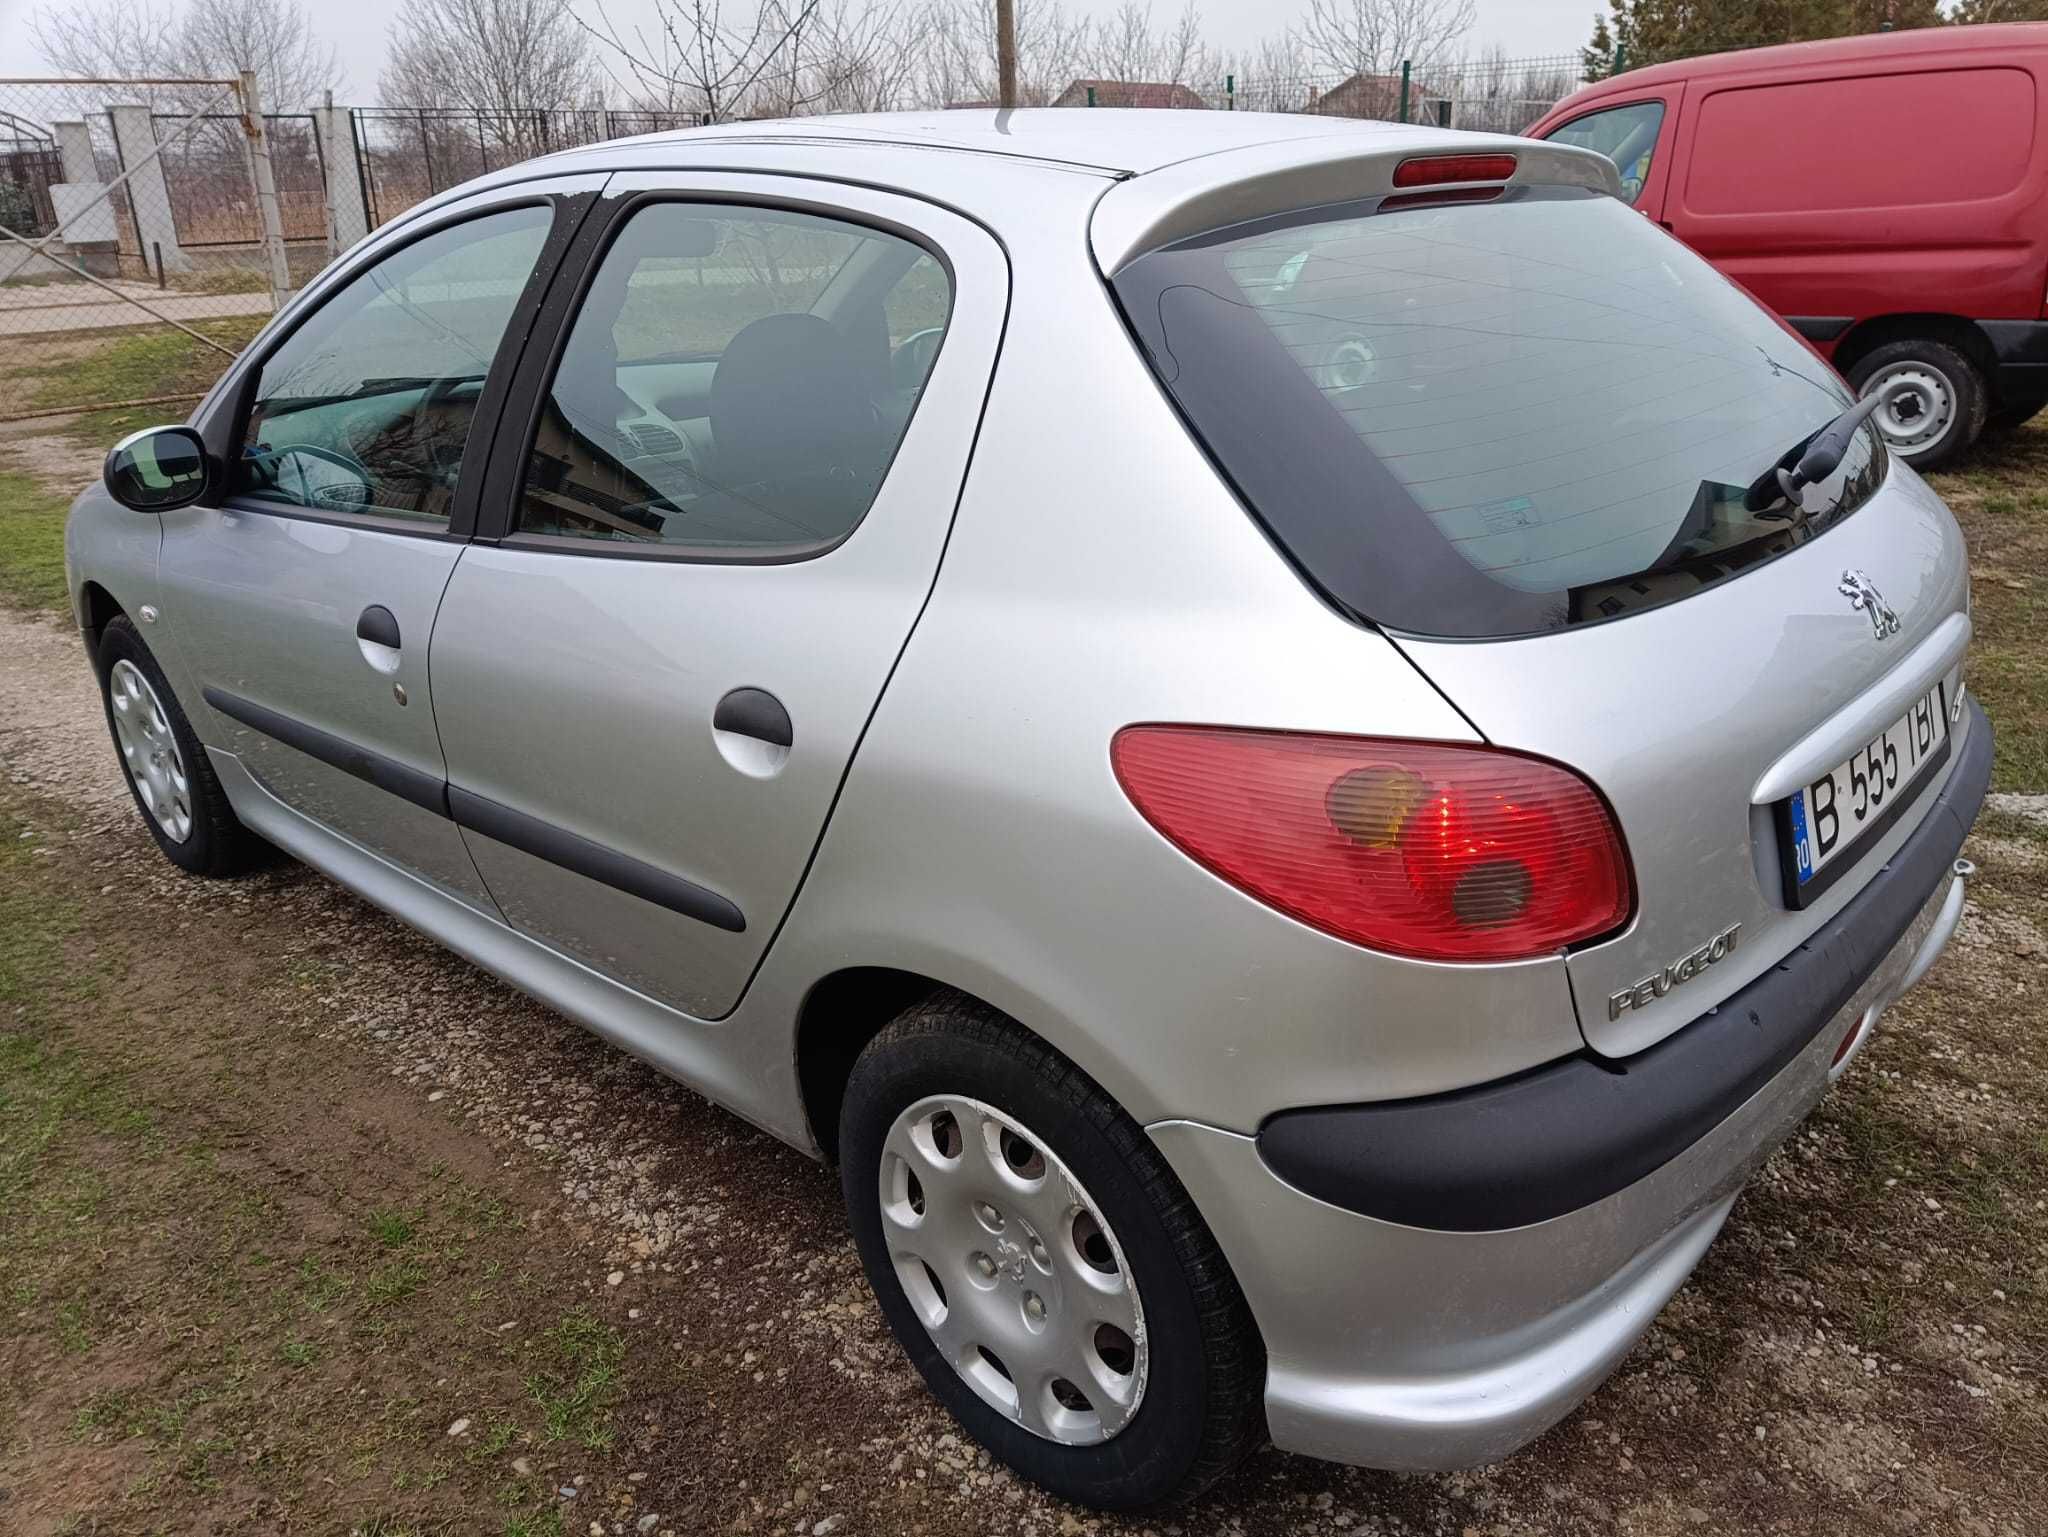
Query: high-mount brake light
[[1438, 170], [1438, 851]]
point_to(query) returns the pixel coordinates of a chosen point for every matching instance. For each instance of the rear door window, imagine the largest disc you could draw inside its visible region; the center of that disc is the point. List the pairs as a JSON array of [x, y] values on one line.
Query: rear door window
[[1494, 417], [737, 382]]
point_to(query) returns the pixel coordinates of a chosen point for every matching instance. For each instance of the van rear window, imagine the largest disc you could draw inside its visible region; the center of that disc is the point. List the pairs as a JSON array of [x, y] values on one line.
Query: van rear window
[[1490, 418]]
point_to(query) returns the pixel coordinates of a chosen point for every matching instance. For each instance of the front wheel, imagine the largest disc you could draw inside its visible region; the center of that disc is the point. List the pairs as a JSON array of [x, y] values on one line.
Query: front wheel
[[174, 786], [1041, 1265], [1932, 400]]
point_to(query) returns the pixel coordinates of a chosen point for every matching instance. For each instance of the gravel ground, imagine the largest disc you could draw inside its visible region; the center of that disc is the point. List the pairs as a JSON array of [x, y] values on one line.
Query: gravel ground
[[1863, 1349]]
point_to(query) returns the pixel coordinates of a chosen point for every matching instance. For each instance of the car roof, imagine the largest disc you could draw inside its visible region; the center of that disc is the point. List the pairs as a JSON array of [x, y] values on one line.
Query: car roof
[[2003, 38], [1122, 141]]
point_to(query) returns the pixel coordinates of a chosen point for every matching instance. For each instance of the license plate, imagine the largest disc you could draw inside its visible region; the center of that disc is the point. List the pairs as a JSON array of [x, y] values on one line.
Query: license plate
[[1828, 820]]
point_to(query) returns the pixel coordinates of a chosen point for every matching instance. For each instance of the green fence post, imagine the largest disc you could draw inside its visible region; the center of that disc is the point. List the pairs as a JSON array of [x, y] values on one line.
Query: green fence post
[[1405, 67], [1091, 95], [1230, 93], [1620, 58]]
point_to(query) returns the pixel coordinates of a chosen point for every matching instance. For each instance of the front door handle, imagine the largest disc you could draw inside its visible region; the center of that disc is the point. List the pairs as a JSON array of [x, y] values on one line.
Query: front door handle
[[377, 639]]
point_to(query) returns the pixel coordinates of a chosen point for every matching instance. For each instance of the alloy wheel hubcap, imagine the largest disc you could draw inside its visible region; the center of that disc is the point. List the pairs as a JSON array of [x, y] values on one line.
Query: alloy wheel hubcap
[[149, 750], [1916, 405], [1013, 1270]]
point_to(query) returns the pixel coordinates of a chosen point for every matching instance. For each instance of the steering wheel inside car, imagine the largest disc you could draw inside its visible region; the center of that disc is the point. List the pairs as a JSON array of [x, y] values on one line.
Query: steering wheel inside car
[[910, 361]]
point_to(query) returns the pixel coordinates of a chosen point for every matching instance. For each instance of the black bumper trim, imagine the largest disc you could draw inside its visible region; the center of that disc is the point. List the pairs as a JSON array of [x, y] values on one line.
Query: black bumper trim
[[2017, 342], [1563, 1136], [1820, 328]]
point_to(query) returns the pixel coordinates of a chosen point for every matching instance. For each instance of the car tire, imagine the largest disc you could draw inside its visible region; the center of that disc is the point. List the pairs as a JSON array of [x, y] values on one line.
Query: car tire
[[1936, 400], [1102, 1227], [174, 786]]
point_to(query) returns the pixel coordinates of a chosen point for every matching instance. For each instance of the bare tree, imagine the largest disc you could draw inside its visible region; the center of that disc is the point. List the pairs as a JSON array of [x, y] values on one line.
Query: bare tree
[[221, 38], [210, 40], [1126, 46], [1274, 77], [1374, 36], [96, 39], [960, 53], [507, 58]]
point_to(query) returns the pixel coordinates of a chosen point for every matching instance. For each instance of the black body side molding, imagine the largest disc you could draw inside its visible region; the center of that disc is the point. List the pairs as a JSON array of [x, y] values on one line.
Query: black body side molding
[[558, 846], [427, 791], [1560, 1137], [528, 834], [1819, 328]]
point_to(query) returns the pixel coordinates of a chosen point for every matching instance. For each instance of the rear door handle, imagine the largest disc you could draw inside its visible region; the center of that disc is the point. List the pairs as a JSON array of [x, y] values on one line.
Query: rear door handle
[[377, 639], [378, 625], [756, 713]]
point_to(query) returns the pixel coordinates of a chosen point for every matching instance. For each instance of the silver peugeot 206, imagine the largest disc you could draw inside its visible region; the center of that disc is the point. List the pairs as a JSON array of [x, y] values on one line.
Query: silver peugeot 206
[[1296, 743]]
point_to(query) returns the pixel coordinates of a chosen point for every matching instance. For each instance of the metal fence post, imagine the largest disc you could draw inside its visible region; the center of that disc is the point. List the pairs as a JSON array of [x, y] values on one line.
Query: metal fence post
[[1406, 66], [270, 221], [1620, 58], [1091, 95], [1230, 93]]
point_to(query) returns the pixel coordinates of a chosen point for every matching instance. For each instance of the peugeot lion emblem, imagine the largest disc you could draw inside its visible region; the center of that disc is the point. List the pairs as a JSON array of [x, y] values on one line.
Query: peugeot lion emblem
[[1862, 593]]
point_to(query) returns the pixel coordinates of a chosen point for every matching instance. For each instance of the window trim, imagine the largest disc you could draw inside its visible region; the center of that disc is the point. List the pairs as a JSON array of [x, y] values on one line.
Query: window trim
[[506, 475], [568, 201]]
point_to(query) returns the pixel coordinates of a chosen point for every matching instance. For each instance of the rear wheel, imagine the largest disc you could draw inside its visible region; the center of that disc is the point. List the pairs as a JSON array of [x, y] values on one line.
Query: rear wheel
[[1041, 1265], [174, 786], [1932, 399]]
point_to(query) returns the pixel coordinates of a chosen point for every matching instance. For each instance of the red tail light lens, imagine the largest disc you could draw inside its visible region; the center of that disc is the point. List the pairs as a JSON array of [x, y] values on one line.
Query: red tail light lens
[[1435, 170], [1445, 853]]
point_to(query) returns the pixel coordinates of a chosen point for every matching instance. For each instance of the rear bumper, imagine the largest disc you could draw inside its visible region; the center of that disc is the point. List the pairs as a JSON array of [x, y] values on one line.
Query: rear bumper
[[1398, 1345], [1564, 1136]]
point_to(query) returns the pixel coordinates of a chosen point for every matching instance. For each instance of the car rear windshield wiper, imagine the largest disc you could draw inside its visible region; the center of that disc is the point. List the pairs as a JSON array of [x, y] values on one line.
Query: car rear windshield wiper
[[1810, 459]]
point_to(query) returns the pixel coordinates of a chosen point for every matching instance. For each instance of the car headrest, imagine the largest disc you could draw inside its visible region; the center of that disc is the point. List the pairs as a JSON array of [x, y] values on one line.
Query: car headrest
[[790, 397]]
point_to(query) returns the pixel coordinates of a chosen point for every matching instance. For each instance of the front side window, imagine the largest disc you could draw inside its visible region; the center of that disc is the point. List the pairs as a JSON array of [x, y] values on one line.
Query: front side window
[[1625, 135], [366, 407], [737, 380]]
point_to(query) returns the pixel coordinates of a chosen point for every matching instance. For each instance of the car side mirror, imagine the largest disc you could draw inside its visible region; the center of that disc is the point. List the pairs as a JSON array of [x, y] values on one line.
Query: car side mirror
[[156, 469]]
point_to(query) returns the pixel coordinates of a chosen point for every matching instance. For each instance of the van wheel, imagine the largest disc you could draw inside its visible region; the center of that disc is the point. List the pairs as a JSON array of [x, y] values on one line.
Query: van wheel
[[174, 786], [1934, 401], [1042, 1267]]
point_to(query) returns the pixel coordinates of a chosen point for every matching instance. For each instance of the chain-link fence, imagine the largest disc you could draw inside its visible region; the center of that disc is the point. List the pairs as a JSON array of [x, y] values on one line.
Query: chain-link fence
[[148, 205], [1496, 95]]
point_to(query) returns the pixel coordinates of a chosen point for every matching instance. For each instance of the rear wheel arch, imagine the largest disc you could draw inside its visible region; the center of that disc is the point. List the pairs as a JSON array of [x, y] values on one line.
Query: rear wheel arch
[[1866, 336], [843, 1012]]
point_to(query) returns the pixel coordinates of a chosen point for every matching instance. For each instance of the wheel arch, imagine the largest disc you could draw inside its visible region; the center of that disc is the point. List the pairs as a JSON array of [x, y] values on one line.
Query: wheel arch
[[97, 608], [1866, 336], [840, 1014]]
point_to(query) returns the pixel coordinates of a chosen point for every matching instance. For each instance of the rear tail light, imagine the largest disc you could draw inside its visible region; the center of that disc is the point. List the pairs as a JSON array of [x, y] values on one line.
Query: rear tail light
[[1445, 853], [1435, 170]]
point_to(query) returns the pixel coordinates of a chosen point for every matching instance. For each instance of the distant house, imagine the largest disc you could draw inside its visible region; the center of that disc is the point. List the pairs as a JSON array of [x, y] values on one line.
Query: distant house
[[1374, 96], [1129, 93]]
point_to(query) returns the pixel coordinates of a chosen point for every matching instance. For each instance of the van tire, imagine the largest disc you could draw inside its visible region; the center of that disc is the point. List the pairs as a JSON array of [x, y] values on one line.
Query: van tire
[[1202, 1410], [1924, 378]]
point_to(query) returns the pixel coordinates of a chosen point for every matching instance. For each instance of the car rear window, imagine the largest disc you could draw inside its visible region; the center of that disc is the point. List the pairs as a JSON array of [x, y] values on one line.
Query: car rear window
[[1490, 418]]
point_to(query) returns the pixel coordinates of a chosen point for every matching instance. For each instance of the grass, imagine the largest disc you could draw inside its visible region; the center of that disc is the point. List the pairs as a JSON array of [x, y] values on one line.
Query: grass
[[31, 542], [577, 1385]]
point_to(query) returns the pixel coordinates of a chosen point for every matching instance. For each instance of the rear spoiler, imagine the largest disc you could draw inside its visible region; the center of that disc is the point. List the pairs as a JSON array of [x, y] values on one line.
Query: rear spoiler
[[1354, 160]]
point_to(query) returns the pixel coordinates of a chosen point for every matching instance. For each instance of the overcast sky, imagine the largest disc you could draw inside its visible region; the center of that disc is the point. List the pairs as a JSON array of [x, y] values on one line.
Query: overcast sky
[[358, 28]]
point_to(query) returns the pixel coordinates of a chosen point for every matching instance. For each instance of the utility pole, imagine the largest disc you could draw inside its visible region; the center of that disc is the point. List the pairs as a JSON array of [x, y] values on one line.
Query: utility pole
[[1006, 53]]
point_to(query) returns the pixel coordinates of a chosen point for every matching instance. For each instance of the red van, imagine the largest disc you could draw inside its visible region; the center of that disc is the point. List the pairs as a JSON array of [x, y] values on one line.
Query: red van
[[1887, 195]]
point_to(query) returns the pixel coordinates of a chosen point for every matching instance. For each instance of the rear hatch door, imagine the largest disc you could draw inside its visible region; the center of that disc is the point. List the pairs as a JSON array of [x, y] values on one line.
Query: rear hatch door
[[1515, 426]]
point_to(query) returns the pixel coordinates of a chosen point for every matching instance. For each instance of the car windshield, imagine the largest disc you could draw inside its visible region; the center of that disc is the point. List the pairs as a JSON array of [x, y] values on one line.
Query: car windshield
[[1483, 418]]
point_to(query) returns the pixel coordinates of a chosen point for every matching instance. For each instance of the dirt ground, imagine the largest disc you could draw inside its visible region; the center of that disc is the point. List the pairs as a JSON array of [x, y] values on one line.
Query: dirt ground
[[311, 1227]]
